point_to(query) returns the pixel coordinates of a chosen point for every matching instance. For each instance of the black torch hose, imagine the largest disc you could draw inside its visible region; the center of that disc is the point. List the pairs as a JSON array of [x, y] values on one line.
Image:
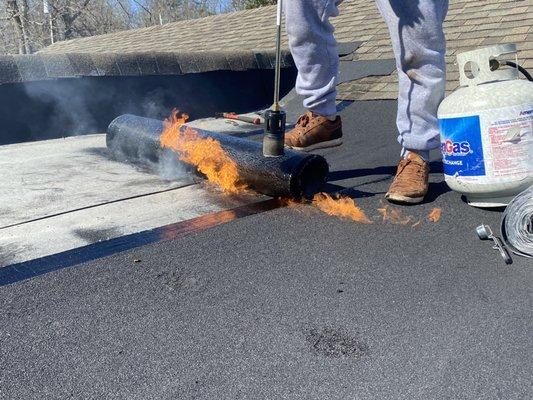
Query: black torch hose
[[520, 68]]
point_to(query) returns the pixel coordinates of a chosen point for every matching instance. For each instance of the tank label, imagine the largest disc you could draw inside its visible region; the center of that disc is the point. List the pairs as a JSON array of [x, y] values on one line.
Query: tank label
[[511, 142], [495, 146], [462, 146]]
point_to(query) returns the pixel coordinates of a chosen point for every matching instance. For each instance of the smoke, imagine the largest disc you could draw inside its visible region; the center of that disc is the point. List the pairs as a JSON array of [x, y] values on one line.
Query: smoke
[[71, 107], [63, 108], [80, 106], [169, 168], [167, 165], [153, 104]]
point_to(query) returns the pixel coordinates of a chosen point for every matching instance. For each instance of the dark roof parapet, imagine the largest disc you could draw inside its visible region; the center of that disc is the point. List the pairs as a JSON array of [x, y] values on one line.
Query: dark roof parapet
[[45, 66]]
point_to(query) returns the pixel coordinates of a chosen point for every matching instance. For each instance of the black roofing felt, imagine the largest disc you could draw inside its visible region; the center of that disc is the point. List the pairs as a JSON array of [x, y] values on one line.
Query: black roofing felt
[[289, 303], [353, 70], [348, 71], [116, 84], [347, 48], [43, 66], [56, 108]]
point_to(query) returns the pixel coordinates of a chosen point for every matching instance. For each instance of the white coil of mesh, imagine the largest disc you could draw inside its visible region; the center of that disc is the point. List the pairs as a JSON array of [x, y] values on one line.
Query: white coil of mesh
[[517, 224]]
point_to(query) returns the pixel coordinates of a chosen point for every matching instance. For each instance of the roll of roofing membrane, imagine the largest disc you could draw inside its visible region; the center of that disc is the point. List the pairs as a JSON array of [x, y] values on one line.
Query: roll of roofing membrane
[[517, 224], [291, 175]]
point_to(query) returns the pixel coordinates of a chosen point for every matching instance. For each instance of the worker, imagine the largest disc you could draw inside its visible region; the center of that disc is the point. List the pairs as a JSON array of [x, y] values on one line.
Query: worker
[[416, 31]]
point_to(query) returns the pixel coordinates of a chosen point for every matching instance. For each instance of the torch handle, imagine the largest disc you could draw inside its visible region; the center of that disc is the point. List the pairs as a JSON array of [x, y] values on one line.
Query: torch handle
[[275, 105]]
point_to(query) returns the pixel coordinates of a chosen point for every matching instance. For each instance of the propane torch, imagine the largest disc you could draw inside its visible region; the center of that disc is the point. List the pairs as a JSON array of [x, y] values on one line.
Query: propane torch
[[275, 118]]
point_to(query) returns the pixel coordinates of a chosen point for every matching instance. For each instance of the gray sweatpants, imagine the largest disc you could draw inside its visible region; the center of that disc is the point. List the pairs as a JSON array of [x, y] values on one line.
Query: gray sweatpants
[[418, 41]]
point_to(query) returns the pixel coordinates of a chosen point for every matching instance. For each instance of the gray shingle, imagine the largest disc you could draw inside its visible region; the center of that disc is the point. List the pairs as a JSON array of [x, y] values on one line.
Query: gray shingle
[[495, 21], [31, 67], [168, 64], [82, 64], [147, 64], [9, 71], [58, 66], [106, 63]]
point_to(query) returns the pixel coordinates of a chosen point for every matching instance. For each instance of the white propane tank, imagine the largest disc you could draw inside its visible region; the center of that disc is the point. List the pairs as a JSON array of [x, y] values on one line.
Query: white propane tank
[[487, 130]]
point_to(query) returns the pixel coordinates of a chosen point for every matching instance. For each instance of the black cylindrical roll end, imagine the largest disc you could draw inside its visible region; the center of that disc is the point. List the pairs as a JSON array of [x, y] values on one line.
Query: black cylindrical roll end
[[135, 138], [309, 176], [274, 137]]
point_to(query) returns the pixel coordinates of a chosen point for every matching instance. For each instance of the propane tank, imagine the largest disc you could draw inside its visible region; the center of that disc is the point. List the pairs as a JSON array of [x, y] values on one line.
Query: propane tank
[[487, 129]]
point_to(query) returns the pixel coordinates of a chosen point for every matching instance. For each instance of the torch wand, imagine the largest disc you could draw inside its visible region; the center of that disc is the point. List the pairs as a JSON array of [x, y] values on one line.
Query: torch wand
[[275, 118]]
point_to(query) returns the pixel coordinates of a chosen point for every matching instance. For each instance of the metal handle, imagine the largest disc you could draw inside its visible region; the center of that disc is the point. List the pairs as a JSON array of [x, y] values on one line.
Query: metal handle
[[275, 105], [498, 245]]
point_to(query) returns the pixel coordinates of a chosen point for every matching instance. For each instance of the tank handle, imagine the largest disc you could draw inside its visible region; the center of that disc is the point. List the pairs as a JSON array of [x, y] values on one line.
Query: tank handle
[[474, 66]]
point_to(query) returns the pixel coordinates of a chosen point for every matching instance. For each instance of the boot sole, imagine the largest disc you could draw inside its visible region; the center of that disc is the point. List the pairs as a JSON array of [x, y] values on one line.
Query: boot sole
[[321, 145], [399, 199]]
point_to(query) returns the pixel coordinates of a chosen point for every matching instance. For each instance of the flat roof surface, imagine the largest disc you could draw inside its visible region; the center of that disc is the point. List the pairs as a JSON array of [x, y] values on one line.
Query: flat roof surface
[[63, 194], [287, 303]]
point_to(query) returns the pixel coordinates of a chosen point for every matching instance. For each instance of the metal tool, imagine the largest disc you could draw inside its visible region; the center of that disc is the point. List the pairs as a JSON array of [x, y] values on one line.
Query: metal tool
[[484, 232], [275, 118], [251, 120]]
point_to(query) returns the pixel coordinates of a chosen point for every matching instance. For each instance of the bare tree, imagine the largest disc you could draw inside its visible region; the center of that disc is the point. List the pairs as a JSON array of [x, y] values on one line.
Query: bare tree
[[247, 4], [18, 17], [158, 12], [29, 25], [67, 12]]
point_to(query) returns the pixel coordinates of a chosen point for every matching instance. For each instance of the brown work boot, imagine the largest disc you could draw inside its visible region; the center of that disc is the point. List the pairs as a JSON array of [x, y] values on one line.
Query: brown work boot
[[313, 131], [410, 184]]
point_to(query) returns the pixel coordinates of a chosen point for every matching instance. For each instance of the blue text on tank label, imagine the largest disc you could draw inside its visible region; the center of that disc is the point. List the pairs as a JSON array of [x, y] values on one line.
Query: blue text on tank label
[[461, 146]]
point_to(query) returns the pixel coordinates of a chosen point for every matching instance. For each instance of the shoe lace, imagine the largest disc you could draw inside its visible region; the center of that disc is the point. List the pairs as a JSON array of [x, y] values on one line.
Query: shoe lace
[[303, 120]]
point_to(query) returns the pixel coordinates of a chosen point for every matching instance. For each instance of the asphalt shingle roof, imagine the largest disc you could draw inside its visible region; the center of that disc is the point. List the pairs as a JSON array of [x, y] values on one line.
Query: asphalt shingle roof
[[470, 24]]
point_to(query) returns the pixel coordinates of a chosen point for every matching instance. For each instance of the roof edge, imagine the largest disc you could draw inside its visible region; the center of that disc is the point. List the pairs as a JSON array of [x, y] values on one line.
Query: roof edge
[[45, 66]]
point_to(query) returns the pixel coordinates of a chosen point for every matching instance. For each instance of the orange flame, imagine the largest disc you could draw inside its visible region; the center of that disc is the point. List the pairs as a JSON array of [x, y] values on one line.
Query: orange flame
[[289, 202], [394, 215], [435, 214], [341, 206], [206, 154]]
